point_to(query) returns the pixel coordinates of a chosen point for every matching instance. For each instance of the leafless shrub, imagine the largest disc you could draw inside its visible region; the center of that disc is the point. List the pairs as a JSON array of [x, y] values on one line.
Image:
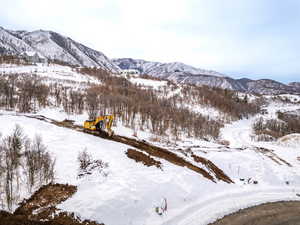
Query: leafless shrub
[[84, 159], [87, 165]]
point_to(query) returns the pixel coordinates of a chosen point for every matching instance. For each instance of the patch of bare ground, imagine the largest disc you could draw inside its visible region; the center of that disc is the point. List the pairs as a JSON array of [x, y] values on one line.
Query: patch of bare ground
[[143, 158], [11, 219], [40, 208]]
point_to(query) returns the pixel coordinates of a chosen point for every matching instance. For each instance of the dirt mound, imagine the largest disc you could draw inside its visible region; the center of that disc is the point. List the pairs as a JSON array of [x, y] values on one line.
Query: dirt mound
[[219, 174], [46, 197], [40, 208], [143, 158], [11, 219]]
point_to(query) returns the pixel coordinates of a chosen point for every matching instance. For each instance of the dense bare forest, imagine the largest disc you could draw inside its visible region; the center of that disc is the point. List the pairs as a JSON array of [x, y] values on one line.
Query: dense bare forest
[[271, 129], [136, 107]]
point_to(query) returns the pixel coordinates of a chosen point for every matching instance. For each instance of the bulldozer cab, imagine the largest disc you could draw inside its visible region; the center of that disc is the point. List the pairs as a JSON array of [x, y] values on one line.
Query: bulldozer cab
[[101, 124]]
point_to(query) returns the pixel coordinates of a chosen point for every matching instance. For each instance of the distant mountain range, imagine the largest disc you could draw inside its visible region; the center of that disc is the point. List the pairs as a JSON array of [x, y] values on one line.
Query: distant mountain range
[[162, 70], [181, 73], [52, 45]]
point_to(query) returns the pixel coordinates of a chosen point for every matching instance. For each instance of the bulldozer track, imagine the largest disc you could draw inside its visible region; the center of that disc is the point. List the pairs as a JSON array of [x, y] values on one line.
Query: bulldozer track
[[218, 174]]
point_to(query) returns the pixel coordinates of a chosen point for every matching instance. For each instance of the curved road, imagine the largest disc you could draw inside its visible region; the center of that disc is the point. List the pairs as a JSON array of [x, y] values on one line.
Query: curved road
[[278, 213]]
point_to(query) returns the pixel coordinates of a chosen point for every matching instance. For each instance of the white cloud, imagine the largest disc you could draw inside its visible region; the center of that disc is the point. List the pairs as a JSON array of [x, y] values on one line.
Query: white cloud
[[246, 37]]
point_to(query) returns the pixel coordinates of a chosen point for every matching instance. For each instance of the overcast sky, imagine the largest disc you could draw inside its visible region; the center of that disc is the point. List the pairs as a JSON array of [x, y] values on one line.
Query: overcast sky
[[241, 38]]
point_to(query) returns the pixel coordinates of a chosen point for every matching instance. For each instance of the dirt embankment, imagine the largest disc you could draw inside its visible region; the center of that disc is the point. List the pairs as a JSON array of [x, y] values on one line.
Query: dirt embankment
[[42, 203], [278, 213], [143, 158], [40, 208], [213, 168]]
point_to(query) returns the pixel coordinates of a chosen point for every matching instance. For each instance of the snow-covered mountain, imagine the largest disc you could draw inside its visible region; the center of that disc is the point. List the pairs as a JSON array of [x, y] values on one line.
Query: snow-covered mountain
[[184, 74], [11, 44], [162, 70], [267, 86], [295, 84], [53, 46]]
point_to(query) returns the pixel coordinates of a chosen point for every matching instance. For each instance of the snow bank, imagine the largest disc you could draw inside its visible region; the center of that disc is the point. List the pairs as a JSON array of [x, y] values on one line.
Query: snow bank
[[291, 140]]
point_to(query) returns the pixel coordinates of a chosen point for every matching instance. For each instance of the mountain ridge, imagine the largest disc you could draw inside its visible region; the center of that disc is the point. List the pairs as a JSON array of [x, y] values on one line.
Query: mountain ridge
[[190, 75]]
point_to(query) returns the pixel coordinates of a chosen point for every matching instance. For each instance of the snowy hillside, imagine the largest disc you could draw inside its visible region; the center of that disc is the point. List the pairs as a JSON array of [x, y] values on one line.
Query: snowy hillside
[[10, 44], [195, 181], [50, 74]]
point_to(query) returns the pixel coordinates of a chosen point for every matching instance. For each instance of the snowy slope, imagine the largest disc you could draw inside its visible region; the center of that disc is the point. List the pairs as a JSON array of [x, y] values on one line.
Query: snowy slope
[[131, 191], [10, 44], [52, 73]]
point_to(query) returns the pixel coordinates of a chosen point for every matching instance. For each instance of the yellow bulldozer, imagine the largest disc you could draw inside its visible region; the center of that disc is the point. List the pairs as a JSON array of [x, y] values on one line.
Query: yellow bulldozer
[[101, 124]]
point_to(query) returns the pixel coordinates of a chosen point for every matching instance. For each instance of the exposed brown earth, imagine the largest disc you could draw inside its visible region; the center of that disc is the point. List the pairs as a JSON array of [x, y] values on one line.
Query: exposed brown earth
[[143, 158], [43, 201], [40, 208], [278, 213], [10, 219], [219, 174]]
